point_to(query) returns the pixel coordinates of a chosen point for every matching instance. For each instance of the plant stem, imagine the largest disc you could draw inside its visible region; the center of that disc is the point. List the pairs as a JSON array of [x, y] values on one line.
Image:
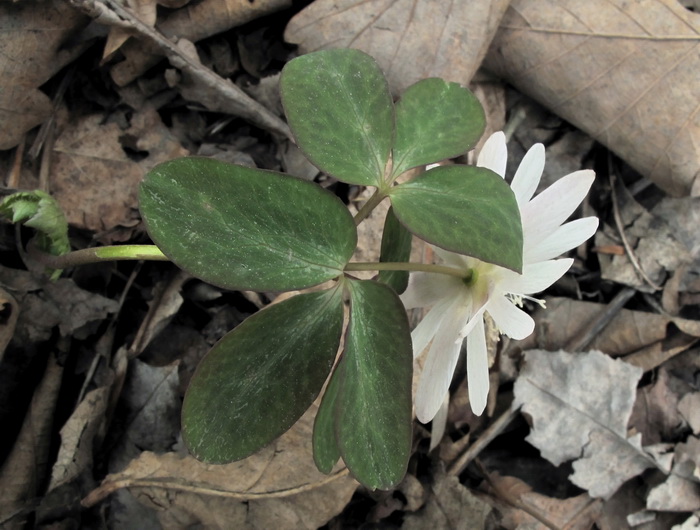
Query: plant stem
[[370, 205], [98, 254], [401, 266]]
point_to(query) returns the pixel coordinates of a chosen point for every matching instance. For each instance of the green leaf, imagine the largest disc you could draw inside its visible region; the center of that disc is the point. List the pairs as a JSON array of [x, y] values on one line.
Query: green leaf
[[340, 110], [326, 452], [396, 246], [40, 211], [260, 378], [435, 120], [243, 228], [373, 408], [464, 209]]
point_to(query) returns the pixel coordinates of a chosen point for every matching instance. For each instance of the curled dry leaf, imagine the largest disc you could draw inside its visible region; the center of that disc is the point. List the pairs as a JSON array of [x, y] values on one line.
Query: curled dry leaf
[[580, 405], [75, 456], [410, 39], [278, 487], [23, 471], [34, 46], [624, 72], [193, 22]]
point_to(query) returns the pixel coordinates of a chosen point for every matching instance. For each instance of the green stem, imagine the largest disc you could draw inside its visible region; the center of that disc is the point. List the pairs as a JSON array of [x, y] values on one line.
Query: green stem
[[370, 205], [401, 266], [98, 254]]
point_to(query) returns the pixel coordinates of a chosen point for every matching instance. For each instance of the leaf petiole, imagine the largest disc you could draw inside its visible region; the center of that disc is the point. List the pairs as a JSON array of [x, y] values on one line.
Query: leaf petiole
[[98, 254], [405, 266]]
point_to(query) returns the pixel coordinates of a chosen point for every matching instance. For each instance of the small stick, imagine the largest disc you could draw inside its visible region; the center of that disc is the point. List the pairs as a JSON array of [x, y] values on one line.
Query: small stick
[[587, 336], [480, 444]]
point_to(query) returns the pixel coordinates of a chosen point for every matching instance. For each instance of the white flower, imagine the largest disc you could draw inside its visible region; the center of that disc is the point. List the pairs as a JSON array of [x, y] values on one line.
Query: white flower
[[458, 305]]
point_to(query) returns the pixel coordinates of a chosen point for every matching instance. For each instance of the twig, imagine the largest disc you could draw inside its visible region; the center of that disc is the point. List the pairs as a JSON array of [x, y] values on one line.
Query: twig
[[480, 444], [109, 487], [585, 337], [229, 98], [621, 229], [514, 501]]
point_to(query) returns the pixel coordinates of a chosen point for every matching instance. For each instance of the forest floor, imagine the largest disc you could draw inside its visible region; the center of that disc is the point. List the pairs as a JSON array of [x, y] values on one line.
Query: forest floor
[[592, 422]]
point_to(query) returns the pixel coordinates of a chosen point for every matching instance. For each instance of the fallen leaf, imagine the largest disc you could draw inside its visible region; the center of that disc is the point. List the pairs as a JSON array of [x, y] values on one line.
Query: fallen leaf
[[24, 470], [144, 10], [623, 72], [574, 513], [410, 39], [564, 319], [193, 22], [689, 408], [692, 523], [450, 505], [150, 404], [45, 305], [9, 311], [580, 405], [676, 494], [75, 456], [35, 45], [654, 243], [166, 302], [655, 414], [95, 180], [689, 451], [278, 487]]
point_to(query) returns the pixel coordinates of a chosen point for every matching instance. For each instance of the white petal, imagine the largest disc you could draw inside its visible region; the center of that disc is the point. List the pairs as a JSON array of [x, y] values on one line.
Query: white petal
[[514, 322], [439, 423], [426, 328], [536, 277], [440, 365], [528, 175], [477, 368], [451, 259], [564, 238], [494, 154], [546, 212], [480, 302], [425, 289]]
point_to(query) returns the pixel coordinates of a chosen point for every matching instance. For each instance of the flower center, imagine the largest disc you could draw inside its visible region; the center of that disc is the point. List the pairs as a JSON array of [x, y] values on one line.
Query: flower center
[[471, 277]]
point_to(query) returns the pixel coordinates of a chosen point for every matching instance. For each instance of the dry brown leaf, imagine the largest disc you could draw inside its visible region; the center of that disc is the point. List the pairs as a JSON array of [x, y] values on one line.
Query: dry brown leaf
[[563, 319], [676, 494], [624, 72], [45, 304], [24, 469], [145, 10], [166, 302], [193, 22], [692, 523], [575, 513], [655, 244], [410, 39], [75, 455], [278, 487], [34, 46], [94, 179], [689, 408], [580, 405], [655, 414], [450, 505], [9, 311]]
